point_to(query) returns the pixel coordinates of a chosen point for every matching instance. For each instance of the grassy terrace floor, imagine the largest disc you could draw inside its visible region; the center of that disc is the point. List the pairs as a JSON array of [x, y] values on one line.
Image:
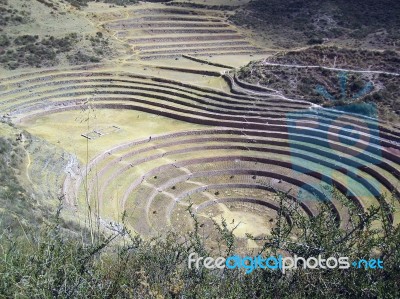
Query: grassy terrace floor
[[176, 143]]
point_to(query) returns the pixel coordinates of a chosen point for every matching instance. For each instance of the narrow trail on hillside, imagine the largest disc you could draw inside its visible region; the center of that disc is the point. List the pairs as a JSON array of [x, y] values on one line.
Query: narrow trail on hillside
[[330, 68]]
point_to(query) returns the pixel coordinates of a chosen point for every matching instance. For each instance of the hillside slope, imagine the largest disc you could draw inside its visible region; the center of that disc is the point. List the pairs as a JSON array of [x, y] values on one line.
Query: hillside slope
[[368, 23], [333, 77]]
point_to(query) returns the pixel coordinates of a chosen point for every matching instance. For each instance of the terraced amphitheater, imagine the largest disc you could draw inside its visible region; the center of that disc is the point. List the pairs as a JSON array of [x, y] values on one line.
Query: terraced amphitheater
[[238, 151], [147, 139], [158, 32]]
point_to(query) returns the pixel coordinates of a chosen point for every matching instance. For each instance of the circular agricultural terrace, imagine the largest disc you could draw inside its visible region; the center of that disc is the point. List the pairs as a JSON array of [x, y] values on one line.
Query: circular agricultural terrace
[[250, 144], [227, 152]]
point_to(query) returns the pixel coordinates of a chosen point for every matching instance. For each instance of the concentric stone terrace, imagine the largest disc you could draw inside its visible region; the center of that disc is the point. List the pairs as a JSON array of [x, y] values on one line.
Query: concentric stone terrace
[[166, 32], [249, 144]]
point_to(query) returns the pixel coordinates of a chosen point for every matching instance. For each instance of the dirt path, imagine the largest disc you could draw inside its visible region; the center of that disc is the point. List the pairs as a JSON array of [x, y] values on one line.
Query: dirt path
[[331, 68]]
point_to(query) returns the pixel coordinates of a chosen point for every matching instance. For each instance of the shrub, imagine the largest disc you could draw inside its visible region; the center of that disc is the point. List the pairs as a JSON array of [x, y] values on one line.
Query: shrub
[[4, 40], [80, 3], [50, 263], [30, 50], [315, 41]]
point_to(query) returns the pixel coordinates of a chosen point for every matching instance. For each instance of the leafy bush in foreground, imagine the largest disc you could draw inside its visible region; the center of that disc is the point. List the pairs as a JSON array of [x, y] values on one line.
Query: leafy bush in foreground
[[51, 264]]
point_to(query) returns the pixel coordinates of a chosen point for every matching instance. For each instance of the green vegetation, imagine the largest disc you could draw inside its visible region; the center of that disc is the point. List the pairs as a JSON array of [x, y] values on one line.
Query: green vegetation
[[29, 50], [295, 22], [98, 43], [121, 2], [82, 58], [356, 59], [45, 259], [52, 264], [80, 3], [153, 164], [33, 51], [99, 46], [303, 83], [199, 5], [48, 4], [12, 16], [18, 208]]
